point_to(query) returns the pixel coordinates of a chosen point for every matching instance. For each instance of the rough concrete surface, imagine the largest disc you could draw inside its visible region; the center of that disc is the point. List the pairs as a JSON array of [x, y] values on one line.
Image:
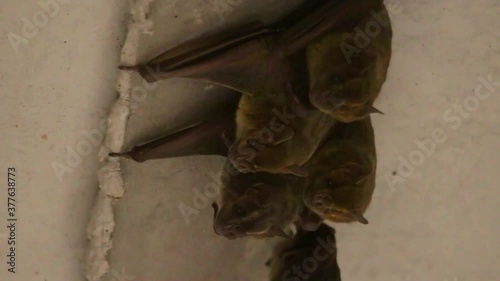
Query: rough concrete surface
[[434, 215]]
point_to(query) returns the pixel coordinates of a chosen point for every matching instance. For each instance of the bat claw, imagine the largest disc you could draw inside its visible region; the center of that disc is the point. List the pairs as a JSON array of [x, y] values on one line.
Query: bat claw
[[124, 155], [128, 67]]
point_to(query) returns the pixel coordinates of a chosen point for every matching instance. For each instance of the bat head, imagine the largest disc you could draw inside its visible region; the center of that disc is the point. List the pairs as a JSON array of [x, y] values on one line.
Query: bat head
[[341, 183], [254, 205], [342, 92], [257, 153], [318, 246]]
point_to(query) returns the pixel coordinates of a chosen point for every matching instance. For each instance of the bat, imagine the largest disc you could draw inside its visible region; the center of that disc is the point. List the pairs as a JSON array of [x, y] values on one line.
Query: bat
[[269, 67], [261, 205], [346, 85], [309, 256], [341, 177], [252, 204]]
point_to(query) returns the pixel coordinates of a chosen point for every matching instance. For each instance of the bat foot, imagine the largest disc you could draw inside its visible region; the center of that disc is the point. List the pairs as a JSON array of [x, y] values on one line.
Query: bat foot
[[123, 155], [128, 67]]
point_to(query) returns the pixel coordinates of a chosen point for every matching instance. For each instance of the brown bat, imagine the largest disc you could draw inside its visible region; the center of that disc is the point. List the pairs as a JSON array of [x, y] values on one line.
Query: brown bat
[[348, 82], [254, 204], [341, 177], [277, 132], [261, 205], [309, 256]]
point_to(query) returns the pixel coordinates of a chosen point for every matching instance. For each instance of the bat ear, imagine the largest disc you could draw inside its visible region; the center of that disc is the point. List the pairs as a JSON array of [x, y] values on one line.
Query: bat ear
[[369, 109], [359, 217], [215, 207]]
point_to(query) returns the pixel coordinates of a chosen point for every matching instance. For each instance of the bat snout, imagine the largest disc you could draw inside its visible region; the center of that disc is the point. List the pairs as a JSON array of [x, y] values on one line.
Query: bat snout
[[230, 231], [323, 199]]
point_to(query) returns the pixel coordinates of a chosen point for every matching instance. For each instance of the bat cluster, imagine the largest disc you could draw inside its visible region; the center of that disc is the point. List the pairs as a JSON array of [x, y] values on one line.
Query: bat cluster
[[298, 138]]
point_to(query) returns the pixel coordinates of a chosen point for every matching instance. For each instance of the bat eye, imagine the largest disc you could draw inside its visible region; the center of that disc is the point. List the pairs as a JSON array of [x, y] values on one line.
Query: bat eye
[[336, 79], [237, 210], [333, 183], [330, 182], [253, 142]]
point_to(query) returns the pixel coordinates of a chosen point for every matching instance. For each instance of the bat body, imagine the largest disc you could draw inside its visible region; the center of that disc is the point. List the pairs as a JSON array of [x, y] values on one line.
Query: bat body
[[346, 85], [341, 178], [309, 256], [269, 66]]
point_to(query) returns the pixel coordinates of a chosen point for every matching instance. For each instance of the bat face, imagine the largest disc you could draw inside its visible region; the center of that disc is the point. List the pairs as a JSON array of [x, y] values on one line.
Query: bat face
[[255, 205], [340, 184], [308, 256], [342, 91]]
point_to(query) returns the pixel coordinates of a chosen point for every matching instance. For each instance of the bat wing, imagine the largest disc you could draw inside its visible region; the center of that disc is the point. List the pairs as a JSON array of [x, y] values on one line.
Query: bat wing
[[242, 67], [204, 138], [230, 59], [210, 44], [239, 58]]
